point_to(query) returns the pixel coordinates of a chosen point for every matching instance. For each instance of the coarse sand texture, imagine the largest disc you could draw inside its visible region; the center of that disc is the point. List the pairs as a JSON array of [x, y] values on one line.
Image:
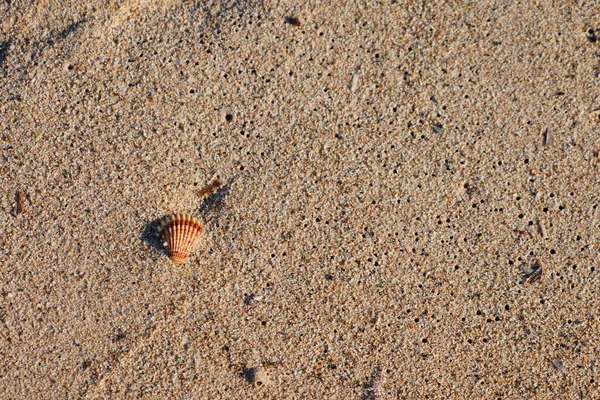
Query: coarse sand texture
[[396, 199]]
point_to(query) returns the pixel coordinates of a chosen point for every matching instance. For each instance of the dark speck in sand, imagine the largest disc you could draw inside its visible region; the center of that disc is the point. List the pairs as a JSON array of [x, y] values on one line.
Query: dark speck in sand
[[292, 21], [250, 374]]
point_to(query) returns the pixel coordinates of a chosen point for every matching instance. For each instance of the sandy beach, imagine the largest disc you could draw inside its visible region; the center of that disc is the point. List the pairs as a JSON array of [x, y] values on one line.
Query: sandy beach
[[400, 200]]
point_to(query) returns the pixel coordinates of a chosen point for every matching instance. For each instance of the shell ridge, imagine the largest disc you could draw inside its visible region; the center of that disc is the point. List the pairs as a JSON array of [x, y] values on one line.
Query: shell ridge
[[183, 245], [178, 250]]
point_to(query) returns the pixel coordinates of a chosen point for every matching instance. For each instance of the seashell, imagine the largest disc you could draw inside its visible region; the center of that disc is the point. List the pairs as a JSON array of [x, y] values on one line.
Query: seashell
[[180, 232]]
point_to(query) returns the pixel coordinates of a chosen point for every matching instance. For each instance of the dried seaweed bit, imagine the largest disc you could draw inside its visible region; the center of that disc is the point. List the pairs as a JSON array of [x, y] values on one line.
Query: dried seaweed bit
[[19, 202], [437, 128], [548, 137], [534, 273], [210, 188], [558, 365], [292, 21]]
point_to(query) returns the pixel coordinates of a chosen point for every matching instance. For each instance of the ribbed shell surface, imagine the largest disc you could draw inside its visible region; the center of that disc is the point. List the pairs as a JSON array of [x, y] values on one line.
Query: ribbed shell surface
[[180, 233]]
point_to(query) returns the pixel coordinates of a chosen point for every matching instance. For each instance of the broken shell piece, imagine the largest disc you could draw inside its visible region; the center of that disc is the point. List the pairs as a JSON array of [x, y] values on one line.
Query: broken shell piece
[[533, 274], [180, 232]]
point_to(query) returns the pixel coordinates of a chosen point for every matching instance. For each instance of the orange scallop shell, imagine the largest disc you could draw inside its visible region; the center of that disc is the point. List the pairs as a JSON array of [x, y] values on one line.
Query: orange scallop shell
[[180, 232]]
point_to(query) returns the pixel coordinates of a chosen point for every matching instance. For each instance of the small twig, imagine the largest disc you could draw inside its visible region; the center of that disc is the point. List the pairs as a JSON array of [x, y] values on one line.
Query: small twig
[[19, 199], [210, 188]]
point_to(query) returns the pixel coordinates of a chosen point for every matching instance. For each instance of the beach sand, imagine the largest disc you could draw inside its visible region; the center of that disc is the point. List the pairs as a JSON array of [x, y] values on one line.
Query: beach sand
[[407, 199]]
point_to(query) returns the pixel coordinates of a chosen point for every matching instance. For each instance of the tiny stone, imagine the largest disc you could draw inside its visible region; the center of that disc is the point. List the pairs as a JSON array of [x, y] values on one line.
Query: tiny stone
[[354, 83], [559, 365], [548, 138]]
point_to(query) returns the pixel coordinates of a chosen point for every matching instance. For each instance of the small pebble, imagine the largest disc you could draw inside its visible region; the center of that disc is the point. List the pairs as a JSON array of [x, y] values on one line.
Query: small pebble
[[437, 128], [556, 362], [548, 138], [354, 83]]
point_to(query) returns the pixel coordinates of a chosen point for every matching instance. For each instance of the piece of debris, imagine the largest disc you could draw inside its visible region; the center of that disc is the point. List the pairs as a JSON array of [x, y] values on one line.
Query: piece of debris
[[437, 128], [470, 189], [250, 298], [292, 21], [19, 200], [534, 273], [548, 138], [542, 228], [210, 188], [556, 362], [354, 83]]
